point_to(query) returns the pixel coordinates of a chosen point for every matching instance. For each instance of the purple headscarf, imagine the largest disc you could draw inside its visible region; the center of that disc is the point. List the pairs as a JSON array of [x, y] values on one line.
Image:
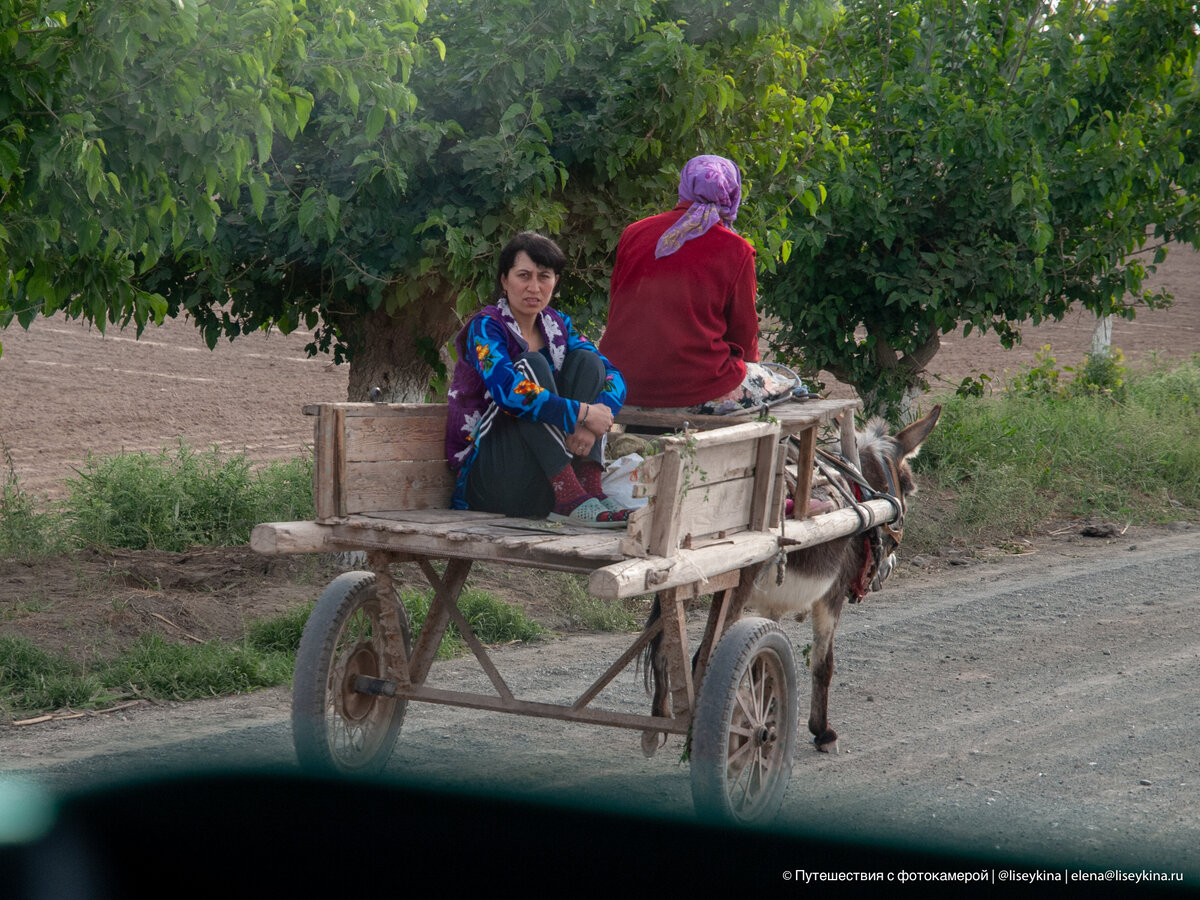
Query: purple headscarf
[[713, 185]]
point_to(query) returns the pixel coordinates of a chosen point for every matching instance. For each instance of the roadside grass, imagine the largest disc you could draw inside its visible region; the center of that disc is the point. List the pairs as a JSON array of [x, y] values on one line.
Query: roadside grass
[[1020, 458], [172, 500], [32, 680], [28, 530], [581, 610], [492, 620]]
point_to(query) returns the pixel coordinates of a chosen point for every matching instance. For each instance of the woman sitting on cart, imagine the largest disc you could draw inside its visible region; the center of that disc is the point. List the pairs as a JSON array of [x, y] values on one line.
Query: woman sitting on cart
[[530, 400], [682, 324]]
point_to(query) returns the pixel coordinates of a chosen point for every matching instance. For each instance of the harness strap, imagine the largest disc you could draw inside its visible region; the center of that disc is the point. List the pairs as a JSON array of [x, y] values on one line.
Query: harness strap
[[876, 564]]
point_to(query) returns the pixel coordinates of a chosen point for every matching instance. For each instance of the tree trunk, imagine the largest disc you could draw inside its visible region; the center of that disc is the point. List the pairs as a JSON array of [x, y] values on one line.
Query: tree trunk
[[902, 381], [385, 354]]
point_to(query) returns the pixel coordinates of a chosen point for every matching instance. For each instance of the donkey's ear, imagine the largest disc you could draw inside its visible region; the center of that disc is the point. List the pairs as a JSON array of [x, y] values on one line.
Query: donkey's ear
[[912, 437]]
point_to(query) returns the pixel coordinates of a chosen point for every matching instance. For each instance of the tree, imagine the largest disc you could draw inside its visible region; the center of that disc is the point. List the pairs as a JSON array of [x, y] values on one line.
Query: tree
[[1005, 161], [378, 197], [129, 129]]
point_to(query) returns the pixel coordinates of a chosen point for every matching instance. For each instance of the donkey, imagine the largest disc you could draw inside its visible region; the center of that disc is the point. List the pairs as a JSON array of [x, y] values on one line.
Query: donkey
[[818, 580]]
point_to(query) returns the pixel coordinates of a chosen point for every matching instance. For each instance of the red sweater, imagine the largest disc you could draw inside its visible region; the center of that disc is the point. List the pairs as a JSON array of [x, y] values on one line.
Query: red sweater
[[681, 328]]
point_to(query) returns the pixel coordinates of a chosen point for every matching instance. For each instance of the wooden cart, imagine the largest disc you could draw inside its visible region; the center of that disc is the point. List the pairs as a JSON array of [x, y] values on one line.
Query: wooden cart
[[713, 521]]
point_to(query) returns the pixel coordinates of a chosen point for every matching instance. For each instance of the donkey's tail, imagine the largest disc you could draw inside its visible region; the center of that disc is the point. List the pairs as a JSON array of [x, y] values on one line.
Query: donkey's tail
[[655, 679]]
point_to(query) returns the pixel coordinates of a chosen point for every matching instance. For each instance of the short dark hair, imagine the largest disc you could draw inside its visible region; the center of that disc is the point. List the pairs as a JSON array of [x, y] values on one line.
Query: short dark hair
[[542, 250]]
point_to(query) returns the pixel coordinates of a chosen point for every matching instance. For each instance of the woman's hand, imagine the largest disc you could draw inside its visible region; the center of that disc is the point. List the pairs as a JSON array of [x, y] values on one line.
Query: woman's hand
[[595, 418], [580, 443]]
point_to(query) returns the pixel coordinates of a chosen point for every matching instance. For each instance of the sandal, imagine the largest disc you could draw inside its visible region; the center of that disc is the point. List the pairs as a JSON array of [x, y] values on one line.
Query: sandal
[[591, 513], [622, 513]]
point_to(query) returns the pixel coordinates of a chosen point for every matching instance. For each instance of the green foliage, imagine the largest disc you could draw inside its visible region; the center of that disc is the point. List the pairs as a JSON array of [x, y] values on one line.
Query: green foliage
[[27, 531], [582, 610], [280, 634], [1003, 162], [33, 680], [1015, 461], [157, 669], [372, 157], [168, 501], [492, 620], [1102, 374], [1042, 378], [127, 127]]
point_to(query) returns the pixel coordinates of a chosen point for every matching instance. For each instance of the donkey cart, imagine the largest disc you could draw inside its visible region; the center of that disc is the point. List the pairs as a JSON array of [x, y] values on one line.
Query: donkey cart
[[712, 524]]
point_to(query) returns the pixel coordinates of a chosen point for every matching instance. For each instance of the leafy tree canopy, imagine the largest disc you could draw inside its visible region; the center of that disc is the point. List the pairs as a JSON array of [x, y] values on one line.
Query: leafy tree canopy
[[1006, 159], [130, 129], [313, 167]]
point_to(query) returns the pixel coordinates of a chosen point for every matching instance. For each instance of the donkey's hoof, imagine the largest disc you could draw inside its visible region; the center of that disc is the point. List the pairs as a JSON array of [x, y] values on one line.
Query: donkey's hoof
[[652, 742], [827, 742]]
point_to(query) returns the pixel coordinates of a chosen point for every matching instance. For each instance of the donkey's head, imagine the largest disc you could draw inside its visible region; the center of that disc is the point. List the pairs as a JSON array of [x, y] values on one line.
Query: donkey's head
[[884, 457], [884, 460]]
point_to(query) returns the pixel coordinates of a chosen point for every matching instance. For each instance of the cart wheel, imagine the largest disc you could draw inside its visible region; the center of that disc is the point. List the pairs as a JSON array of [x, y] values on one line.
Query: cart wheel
[[744, 729], [350, 633]]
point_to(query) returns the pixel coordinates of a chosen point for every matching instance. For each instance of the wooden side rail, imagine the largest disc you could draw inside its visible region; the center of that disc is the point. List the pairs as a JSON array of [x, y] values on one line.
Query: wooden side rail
[[704, 485], [371, 457]]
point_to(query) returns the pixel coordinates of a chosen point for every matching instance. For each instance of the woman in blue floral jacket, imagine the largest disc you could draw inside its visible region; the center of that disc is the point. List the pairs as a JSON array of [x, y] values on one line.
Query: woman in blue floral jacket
[[530, 400]]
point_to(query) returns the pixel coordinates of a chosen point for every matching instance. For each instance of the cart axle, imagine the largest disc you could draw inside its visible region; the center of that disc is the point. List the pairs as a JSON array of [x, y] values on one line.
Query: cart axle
[[365, 684]]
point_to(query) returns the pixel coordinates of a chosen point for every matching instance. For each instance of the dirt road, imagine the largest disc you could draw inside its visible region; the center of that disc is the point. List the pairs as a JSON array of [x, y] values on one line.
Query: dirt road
[[1041, 707]]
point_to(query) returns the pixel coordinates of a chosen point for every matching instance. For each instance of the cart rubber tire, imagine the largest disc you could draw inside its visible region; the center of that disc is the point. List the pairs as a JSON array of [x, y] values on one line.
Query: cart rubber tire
[[350, 632], [744, 729]]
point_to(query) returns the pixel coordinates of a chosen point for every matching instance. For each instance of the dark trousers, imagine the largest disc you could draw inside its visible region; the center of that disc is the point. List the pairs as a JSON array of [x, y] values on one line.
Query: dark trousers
[[518, 457]]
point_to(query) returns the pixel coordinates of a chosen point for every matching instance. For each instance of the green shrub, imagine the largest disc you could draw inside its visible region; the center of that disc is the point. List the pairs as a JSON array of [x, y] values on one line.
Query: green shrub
[[280, 634], [157, 669], [492, 620], [26, 531], [1016, 460], [171, 501]]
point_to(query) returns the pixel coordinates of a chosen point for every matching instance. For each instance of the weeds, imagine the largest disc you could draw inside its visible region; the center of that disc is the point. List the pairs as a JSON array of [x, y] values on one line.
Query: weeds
[[1129, 450], [492, 620], [162, 501], [26, 532], [171, 501]]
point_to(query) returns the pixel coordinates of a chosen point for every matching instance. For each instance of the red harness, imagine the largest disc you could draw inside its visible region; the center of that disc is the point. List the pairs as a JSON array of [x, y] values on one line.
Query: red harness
[[873, 553], [862, 584]]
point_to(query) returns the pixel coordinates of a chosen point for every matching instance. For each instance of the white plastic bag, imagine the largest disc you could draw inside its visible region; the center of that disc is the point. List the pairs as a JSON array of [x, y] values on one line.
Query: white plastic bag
[[620, 476]]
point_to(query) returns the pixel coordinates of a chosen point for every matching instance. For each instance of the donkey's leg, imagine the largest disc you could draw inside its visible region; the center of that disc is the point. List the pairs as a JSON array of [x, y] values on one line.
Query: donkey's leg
[[826, 613]]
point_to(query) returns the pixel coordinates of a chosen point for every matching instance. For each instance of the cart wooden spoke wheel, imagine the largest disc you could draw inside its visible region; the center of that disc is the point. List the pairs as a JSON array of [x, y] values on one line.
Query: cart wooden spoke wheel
[[744, 730], [345, 714]]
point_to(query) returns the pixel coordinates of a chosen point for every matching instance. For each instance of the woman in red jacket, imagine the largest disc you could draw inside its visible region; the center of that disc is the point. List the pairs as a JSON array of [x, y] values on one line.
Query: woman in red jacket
[[682, 326]]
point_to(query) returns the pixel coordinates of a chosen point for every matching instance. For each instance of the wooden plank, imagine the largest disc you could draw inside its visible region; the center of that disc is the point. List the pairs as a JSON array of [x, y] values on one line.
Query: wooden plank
[[433, 516], [544, 710], [800, 413], [764, 481], [465, 546], [732, 435], [390, 438], [673, 609], [293, 537], [850, 440], [637, 531], [797, 534], [339, 459], [325, 481], [711, 508], [648, 473], [369, 486], [632, 577], [664, 528], [804, 472], [377, 410]]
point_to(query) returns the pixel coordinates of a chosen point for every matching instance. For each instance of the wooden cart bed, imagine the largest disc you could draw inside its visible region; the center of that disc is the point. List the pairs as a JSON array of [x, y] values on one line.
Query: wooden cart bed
[[716, 498]]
